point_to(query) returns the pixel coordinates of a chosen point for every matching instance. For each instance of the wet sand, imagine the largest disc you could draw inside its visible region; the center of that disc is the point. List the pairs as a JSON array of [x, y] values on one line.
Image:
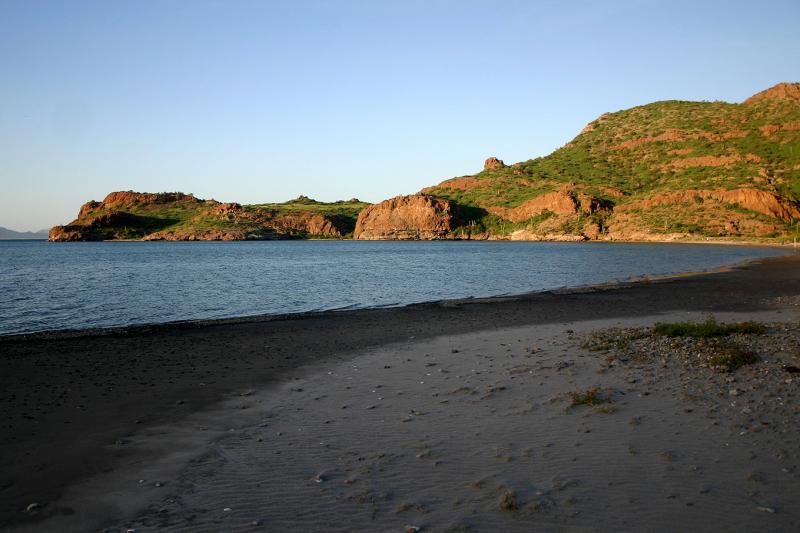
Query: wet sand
[[424, 416]]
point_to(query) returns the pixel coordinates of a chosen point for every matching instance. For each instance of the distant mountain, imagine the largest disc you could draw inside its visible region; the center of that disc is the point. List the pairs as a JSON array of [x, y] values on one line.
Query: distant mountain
[[10, 234]]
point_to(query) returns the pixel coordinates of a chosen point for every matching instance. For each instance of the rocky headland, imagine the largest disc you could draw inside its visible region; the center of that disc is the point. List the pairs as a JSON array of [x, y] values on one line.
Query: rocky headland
[[182, 217], [670, 170]]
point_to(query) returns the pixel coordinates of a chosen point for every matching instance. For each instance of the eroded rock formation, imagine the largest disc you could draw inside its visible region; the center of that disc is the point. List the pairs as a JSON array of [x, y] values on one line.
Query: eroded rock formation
[[752, 199], [492, 163], [562, 202], [417, 216]]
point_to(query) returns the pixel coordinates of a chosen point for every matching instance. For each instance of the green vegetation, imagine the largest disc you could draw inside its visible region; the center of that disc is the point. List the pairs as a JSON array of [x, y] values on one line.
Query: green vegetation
[[732, 357], [610, 339], [483, 222], [508, 501], [707, 329], [625, 157], [140, 215], [343, 213], [348, 208], [591, 397], [661, 170], [495, 188]]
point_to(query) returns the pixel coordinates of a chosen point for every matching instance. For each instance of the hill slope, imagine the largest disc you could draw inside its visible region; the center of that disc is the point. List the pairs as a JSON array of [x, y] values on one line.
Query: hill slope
[[668, 169], [178, 216], [661, 171]]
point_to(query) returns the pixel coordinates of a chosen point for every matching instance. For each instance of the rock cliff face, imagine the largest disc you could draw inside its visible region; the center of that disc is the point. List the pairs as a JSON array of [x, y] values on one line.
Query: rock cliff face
[[308, 223], [563, 202], [178, 216], [762, 202], [418, 216]]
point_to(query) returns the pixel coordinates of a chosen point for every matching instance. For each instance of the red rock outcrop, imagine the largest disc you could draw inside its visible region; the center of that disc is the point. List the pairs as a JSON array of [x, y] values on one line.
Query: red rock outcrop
[[227, 211], [197, 235], [703, 161], [87, 208], [558, 202], [417, 216], [463, 183], [781, 91], [588, 204], [676, 135], [768, 130], [755, 200], [92, 228], [492, 163], [127, 198], [613, 192], [313, 224], [760, 202], [119, 198], [70, 233]]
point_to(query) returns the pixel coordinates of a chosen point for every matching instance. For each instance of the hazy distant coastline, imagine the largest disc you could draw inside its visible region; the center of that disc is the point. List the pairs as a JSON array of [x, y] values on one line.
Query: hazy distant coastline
[[11, 235]]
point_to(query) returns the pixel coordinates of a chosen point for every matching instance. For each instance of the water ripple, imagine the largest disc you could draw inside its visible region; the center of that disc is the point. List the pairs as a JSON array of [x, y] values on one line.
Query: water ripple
[[47, 286]]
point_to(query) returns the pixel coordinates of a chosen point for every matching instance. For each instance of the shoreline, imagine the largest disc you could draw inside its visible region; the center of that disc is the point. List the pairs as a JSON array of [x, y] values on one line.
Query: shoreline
[[767, 242], [74, 405], [148, 327], [475, 432]]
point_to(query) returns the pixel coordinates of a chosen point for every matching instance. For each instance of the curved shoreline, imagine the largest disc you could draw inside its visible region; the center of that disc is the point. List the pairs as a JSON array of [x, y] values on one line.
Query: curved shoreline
[[151, 327], [70, 399]]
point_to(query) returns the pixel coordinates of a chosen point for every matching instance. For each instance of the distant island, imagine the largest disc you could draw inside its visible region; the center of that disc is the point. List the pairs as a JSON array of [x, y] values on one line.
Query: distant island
[[670, 170], [11, 235]]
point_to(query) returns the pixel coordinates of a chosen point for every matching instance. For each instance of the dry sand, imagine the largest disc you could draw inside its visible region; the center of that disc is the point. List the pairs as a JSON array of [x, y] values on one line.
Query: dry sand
[[461, 422]]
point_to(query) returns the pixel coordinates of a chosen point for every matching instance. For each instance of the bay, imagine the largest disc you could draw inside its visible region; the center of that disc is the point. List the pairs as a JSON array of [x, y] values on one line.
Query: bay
[[56, 286]]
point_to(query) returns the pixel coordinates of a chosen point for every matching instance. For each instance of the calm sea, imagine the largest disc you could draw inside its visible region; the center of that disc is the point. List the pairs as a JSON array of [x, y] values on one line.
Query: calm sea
[[49, 286]]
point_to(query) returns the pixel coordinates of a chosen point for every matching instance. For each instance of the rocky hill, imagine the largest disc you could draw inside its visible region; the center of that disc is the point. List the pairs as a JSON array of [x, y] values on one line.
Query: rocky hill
[[665, 170], [182, 217], [662, 171]]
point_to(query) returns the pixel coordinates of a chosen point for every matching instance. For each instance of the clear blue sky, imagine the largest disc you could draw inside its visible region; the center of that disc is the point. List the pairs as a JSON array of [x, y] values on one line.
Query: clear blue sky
[[256, 101]]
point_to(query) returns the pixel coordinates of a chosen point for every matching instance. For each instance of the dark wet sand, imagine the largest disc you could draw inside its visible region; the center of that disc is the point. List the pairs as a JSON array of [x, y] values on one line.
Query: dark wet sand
[[67, 399]]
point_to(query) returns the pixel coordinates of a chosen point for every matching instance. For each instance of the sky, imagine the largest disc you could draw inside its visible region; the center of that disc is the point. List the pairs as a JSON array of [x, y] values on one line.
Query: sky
[[257, 101]]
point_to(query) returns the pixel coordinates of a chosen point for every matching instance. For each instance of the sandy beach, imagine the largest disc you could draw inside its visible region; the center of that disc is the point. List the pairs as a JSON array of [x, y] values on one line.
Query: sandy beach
[[450, 416]]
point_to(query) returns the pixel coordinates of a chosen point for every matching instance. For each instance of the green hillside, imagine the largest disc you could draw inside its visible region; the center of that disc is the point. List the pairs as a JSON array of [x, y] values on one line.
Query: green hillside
[[671, 170], [178, 216], [626, 158]]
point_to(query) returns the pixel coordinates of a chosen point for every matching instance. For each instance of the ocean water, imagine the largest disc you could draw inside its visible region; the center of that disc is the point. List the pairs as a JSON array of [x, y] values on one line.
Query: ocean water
[[54, 286]]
